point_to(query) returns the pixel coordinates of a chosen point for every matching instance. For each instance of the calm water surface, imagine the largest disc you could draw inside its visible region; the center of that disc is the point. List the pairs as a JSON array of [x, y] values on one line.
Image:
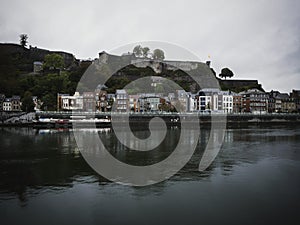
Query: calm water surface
[[254, 180]]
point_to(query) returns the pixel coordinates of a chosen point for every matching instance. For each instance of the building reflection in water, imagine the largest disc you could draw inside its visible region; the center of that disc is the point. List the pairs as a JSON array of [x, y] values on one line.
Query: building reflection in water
[[33, 161]]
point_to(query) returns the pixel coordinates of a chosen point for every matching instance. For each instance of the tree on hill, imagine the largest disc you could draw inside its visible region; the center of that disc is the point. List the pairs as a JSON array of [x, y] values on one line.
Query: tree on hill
[[23, 40], [140, 51], [225, 72], [137, 50], [145, 51], [54, 61], [158, 54]]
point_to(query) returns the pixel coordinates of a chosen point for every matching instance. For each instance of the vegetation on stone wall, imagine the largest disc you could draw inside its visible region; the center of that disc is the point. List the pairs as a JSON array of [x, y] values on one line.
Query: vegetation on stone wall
[[140, 51], [226, 72]]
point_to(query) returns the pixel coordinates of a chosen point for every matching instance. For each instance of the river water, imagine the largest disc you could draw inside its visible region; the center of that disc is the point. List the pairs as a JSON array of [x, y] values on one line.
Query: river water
[[255, 179]]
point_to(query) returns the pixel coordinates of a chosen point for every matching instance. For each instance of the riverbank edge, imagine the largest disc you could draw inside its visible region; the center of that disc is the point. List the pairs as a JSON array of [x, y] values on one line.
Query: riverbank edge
[[172, 120]]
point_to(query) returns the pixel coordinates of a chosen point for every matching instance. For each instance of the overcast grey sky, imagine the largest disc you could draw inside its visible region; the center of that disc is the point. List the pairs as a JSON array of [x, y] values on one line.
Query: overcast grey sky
[[256, 39]]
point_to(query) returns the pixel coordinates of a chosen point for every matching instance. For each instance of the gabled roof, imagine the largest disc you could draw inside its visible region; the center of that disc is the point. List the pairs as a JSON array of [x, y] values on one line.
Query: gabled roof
[[251, 91], [282, 96], [121, 91], [16, 97], [2, 97], [102, 87]]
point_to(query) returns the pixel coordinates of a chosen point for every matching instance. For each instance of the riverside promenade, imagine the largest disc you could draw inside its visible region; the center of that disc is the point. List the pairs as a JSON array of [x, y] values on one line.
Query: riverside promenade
[[65, 117], [30, 118]]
